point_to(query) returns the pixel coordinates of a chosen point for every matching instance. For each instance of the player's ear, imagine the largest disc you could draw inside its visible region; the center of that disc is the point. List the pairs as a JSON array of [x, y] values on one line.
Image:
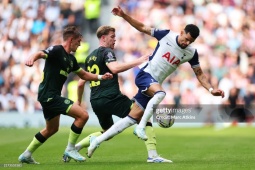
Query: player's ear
[[182, 32]]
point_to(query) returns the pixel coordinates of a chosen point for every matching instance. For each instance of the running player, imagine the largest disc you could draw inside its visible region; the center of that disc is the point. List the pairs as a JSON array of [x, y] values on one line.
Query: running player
[[106, 97], [59, 63], [172, 50]]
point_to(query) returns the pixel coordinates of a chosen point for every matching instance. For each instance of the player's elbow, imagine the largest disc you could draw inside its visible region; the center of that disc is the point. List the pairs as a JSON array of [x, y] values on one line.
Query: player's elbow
[[115, 71]]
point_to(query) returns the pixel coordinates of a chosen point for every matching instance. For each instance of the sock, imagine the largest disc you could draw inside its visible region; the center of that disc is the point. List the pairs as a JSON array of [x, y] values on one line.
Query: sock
[[151, 142], [37, 141], [156, 99], [116, 128], [84, 143], [74, 134]]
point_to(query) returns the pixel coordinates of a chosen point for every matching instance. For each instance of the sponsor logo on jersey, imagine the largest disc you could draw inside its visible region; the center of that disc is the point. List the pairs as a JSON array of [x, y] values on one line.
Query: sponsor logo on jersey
[[110, 56], [168, 44], [171, 59], [49, 49]]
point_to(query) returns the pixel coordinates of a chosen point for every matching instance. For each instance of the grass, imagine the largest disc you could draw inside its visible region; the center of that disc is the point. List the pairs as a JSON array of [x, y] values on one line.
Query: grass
[[189, 148]]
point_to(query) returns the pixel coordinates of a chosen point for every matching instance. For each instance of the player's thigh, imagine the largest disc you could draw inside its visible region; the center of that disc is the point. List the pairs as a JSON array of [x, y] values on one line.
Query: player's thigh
[[136, 112], [147, 84], [58, 105], [153, 89], [103, 113], [77, 111], [105, 120], [121, 105]]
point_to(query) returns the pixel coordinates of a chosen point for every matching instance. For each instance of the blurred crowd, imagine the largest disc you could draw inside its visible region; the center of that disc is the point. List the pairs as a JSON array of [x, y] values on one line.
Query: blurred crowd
[[226, 46], [26, 27]]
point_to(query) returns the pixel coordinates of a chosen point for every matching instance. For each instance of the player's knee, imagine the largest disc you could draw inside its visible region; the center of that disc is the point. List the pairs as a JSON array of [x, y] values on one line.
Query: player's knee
[[52, 131], [160, 95], [84, 116]]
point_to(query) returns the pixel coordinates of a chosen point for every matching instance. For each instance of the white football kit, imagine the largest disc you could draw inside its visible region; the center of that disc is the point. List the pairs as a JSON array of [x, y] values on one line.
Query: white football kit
[[168, 55]]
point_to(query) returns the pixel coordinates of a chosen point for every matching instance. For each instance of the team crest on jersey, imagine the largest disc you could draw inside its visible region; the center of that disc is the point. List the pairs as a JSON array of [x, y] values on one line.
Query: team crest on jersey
[[67, 101], [184, 55], [110, 56]]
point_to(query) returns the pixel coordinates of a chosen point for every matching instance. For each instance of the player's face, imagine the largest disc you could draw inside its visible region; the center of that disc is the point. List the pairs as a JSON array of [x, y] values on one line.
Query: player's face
[[110, 40], [185, 39], [75, 43]]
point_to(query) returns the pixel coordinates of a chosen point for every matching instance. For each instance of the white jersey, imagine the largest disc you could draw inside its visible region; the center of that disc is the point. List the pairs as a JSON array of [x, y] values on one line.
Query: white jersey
[[168, 55]]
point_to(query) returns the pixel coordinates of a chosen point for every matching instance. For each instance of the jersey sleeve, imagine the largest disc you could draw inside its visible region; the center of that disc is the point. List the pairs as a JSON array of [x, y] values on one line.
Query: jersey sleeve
[[76, 68], [109, 56], [159, 34], [194, 62], [50, 51]]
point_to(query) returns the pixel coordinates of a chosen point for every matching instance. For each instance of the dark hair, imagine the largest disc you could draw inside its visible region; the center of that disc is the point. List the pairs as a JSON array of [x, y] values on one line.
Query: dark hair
[[104, 30], [193, 30], [70, 31]]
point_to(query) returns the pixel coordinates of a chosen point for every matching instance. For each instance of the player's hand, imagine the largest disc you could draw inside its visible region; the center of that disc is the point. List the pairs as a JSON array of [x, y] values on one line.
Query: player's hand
[[29, 62], [218, 92], [107, 76], [117, 11], [144, 58]]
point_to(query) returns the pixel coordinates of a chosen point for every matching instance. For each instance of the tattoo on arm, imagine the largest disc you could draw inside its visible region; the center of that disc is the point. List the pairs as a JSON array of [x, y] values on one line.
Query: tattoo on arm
[[202, 78], [148, 30], [198, 71]]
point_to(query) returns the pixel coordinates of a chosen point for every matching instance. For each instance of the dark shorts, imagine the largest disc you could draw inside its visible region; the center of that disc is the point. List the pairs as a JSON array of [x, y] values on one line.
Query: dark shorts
[[104, 108], [56, 106], [143, 81]]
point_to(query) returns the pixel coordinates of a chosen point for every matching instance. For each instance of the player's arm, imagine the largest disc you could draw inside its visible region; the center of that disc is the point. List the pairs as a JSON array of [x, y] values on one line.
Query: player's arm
[[80, 90], [92, 77], [136, 24], [30, 60], [205, 83], [116, 67]]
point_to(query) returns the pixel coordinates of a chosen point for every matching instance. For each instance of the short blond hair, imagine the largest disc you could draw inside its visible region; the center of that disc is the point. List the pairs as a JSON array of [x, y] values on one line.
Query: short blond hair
[[104, 30]]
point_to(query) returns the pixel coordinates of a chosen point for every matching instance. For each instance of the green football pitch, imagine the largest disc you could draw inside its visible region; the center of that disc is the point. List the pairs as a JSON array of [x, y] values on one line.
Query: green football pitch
[[189, 149]]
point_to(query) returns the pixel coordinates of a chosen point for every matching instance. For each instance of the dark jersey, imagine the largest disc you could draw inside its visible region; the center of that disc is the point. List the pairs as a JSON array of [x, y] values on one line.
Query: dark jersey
[[57, 66], [96, 63]]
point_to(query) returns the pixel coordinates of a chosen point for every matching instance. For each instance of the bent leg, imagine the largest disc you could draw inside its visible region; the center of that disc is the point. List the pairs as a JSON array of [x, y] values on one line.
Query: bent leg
[[81, 117], [85, 142], [155, 100], [51, 128]]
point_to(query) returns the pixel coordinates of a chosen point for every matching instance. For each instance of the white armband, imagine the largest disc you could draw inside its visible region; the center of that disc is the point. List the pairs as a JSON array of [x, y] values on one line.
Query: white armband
[[99, 77], [210, 90]]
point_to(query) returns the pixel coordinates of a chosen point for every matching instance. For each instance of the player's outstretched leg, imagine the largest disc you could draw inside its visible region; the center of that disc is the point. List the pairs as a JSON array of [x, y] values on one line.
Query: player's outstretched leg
[[93, 146], [73, 154], [28, 160], [158, 159], [140, 133]]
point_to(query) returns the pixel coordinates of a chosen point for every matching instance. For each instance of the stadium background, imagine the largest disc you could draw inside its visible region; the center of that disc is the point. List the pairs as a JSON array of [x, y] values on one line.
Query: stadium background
[[226, 48]]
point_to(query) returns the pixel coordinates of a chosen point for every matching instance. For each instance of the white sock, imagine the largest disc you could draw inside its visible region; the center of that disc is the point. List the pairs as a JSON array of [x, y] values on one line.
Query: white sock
[[27, 154], [70, 146], [116, 128], [152, 153], [78, 147], [156, 99]]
